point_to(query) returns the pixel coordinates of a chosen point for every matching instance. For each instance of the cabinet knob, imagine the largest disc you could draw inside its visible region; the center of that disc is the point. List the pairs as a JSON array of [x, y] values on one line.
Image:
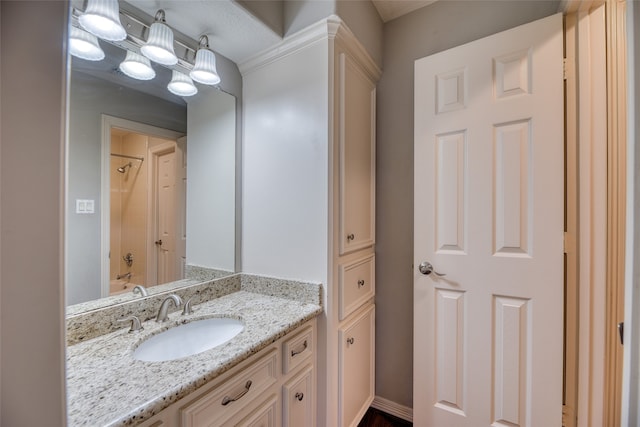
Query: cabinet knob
[[299, 396], [360, 283], [351, 340], [350, 237]]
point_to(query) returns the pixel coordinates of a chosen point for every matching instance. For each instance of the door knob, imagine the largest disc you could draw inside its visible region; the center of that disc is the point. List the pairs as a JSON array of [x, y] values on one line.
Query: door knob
[[426, 268], [158, 242]]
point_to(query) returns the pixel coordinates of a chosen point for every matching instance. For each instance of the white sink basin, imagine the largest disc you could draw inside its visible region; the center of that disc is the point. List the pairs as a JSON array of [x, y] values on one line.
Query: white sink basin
[[188, 339]]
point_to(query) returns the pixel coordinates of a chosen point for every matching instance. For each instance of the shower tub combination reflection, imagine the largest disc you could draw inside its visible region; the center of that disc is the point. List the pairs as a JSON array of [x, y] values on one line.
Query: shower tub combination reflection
[[144, 182]]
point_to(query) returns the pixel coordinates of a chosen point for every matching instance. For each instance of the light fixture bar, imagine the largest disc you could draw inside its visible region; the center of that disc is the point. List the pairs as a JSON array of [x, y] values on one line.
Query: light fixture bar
[[137, 31]]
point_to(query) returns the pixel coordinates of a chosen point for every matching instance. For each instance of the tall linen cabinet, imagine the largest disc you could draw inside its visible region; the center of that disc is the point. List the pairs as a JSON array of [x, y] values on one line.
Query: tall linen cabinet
[[308, 196]]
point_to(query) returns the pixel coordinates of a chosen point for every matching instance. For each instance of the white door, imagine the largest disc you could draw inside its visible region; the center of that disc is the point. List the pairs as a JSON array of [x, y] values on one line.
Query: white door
[[164, 206], [489, 213]]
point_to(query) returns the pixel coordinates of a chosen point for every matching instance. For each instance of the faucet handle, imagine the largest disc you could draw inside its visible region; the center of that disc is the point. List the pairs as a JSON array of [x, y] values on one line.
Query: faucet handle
[[186, 309], [135, 323]]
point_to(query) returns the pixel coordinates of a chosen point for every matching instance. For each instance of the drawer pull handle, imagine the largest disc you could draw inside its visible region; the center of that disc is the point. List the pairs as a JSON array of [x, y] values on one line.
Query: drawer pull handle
[[351, 340], [226, 400], [299, 396], [350, 237], [360, 283], [297, 352]]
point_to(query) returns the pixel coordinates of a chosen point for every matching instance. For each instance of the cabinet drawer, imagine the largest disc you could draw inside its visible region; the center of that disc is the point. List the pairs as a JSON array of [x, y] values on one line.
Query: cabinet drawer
[[298, 400], [296, 350], [263, 416], [356, 367], [357, 284], [233, 395]]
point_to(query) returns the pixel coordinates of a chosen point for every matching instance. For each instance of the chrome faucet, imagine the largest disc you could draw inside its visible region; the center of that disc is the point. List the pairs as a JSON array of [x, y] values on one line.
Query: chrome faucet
[[139, 289], [163, 314], [136, 326]]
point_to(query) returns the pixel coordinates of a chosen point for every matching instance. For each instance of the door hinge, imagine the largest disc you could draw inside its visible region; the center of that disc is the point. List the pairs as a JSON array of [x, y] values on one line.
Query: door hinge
[[568, 243], [567, 68], [621, 332]]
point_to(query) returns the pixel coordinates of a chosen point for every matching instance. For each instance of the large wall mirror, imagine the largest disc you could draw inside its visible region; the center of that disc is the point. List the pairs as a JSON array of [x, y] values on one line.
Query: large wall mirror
[[151, 182]]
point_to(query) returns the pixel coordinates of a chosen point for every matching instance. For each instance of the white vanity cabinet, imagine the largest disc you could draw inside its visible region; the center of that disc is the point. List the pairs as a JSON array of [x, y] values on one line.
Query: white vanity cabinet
[[276, 386], [309, 191], [353, 264]]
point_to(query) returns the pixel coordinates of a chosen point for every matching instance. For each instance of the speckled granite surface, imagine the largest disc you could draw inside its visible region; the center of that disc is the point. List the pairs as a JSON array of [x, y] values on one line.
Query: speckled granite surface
[[283, 288], [107, 387], [93, 323], [202, 274], [92, 319]]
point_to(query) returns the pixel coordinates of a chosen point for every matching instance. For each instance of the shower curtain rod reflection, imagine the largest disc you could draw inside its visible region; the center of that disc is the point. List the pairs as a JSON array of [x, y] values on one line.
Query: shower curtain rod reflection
[[128, 157]]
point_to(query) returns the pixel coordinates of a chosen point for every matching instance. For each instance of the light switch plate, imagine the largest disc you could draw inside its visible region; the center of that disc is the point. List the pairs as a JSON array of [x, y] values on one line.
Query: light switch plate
[[85, 206]]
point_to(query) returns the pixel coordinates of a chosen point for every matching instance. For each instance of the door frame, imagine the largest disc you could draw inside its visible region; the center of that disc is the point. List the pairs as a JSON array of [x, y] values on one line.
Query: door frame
[[109, 122], [594, 243]]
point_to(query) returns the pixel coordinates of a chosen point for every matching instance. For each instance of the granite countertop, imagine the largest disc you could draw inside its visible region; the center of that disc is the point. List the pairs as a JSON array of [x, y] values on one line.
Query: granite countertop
[[107, 387]]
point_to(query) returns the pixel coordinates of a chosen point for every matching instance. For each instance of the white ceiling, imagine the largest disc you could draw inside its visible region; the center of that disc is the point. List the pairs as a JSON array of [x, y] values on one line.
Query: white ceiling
[[232, 31]]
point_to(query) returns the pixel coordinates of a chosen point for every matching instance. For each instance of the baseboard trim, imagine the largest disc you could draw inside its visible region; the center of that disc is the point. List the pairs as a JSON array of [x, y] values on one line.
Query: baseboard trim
[[393, 408]]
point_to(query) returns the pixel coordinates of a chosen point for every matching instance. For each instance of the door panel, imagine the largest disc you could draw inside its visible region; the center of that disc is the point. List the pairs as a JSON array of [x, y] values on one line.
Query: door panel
[[489, 213]]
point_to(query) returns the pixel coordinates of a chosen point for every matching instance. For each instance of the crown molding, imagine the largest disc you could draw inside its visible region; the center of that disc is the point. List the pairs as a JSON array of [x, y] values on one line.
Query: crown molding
[[330, 28]]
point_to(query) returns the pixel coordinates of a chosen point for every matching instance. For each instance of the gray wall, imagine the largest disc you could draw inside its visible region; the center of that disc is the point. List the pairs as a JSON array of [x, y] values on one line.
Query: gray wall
[[31, 213], [89, 98], [437, 27], [270, 12], [360, 16]]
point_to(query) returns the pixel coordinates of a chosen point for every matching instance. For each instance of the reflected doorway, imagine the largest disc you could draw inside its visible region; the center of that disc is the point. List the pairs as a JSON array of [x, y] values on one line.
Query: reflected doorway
[[145, 223]]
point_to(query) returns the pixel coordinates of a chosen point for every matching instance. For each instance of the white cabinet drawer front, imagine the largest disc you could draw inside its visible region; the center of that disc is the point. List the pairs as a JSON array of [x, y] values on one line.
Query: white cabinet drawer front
[[296, 350], [227, 399], [263, 416], [357, 284], [356, 367], [298, 400]]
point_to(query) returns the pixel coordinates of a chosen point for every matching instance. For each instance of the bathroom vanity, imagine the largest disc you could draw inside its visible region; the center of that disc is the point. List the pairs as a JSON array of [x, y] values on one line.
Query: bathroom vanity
[[282, 375], [266, 374]]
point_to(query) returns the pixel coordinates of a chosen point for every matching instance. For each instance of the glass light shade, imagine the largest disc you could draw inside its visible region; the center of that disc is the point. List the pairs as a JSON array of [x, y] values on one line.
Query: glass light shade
[[84, 45], [204, 70], [102, 19], [159, 46], [181, 85], [137, 66]]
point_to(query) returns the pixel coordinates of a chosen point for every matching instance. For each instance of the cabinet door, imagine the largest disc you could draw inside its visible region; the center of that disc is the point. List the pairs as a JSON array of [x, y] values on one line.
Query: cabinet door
[[356, 367], [356, 127], [299, 400]]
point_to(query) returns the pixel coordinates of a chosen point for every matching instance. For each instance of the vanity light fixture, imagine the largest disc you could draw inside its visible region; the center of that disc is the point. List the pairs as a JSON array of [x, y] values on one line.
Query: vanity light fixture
[[84, 45], [204, 71], [102, 19], [181, 85], [159, 46], [137, 66]]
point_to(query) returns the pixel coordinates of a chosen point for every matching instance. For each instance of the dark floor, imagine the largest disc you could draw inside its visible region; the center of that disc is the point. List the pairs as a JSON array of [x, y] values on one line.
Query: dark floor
[[376, 418]]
